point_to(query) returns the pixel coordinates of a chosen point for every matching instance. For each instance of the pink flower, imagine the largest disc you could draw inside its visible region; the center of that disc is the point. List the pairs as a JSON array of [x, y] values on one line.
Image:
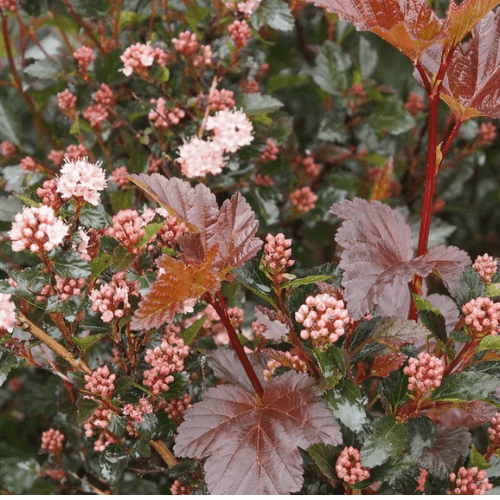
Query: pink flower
[[52, 441], [324, 319], [199, 158], [7, 313], [204, 57], [349, 468], [111, 300], [100, 382], [303, 199], [127, 229], [221, 100], [28, 164], [105, 96], [483, 317], [138, 58], [67, 102], [135, 414], [426, 373], [162, 117], [311, 169], [186, 44], [232, 129], [487, 133], [285, 359], [271, 151], [67, 287], [177, 407], [37, 229], [486, 266], [263, 180], [277, 253], [240, 33], [7, 148], [56, 157], [119, 176], [81, 179], [48, 194], [414, 103], [469, 482], [248, 7], [95, 114], [84, 56], [11, 5], [75, 153]]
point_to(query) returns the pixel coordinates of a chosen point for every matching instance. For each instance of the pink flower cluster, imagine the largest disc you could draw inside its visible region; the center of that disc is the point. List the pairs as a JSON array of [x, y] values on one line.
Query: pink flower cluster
[[218, 330], [349, 468], [494, 431], [271, 151], [199, 158], [263, 180], [178, 488], [52, 441], [486, 266], [303, 199], [277, 253], [170, 233], [240, 33], [247, 7], [10, 5], [162, 118], [221, 100], [48, 194], [324, 319], [99, 420], [7, 313], [105, 96], [414, 103], [487, 133], [483, 317], [232, 130], [67, 287], [127, 229], [76, 153], [28, 164], [166, 359], [285, 359], [56, 157], [135, 414], [81, 179], [119, 176], [176, 408], [311, 169], [67, 102], [138, 58], [37, 229], [249, 86], [186, 44], [469, 482], [425, 372], [111, 300], [7, 148], [100, 382], [85, 57]]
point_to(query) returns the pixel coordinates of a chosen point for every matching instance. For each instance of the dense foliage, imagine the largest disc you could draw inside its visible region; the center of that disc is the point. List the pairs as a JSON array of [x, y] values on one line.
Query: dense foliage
[[245, 247]]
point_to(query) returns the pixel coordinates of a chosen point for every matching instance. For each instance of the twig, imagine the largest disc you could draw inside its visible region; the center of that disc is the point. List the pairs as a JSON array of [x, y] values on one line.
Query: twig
[[164, 452]]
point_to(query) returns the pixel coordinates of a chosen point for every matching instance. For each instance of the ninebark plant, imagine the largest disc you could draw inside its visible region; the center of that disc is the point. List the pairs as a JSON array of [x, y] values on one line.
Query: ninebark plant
[[354, 378]]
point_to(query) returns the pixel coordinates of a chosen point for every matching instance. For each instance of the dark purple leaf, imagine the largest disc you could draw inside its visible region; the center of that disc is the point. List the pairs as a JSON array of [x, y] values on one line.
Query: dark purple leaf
[[275, 323]]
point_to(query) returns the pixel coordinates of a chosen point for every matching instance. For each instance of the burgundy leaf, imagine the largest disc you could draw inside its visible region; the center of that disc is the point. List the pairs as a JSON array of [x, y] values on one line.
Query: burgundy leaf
[[450, 445], [234, 232], [251, 445], [275, 323], [404, 329], [383, 365], [410, 25], [227, 367], [469, 415]]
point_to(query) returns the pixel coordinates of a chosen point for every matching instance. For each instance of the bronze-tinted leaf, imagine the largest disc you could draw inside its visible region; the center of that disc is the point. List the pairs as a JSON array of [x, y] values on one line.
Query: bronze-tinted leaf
[[275, 323], [251, 445], [178, 287], [383, 365], [410, 25]]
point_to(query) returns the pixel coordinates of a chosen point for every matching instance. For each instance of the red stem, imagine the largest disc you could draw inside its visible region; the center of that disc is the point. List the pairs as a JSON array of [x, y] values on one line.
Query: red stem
[[448, 142], [235, 341]]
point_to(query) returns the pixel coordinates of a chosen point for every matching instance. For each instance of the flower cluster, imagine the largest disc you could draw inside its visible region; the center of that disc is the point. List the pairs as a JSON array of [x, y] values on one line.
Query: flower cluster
[[10, 5], [186, 44], [277, 253], [37, 229], [303, 199], [271, 151], [172, 230], [199, 158], [469, 482], [119, 176], [81, 179], [7, 148], [127, 229], [48, 194], [100, 382], [494, 432], [247, 7], [284, 359], [166, 360], [138, 58], [176, 408], [161, 117], [483, 316], [67, 287], [324, 318], [263, 180], [414, 103], [486, 266], [76, 152], [56, 157], [349, 468], [425, 372], [178, 488], [221, 100], [7, 313], [135, 414], [487, 133], [249, 85], [28, 164], [85, 57], [52, 441], [97, 422], [232, 130], [311, 169], [219, 332], [240, 33], [66, 101], [111, 300]]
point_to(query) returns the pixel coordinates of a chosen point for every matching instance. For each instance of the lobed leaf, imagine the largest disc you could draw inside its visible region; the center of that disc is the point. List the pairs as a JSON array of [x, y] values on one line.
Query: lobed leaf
[[251, 445], [275, 323]]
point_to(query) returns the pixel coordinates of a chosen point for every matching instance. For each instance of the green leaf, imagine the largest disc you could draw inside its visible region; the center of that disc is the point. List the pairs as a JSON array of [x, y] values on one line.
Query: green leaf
[[346, 404], [421, 435], [324, 456], [151, 230], [368, 58], [189, 334], [122, 259], [141, 448], [112, 467], [107, 69], [274, 13], [71, 265], [363, 331], [460, 336], [122, 200], [477, 460], [178, 388], [258, 103], [9, 207], [278, 82], [99, 264], [395, 388], [305, 281], [8, 126], [395, 472], [128, 18], [117, 425], [7, 362], [92, 217], [493, 289], [147, 426], [86, 408], [465, 386], [26, 200], [331, 364], [387, 440], [489, 342], [471, 286], [330, 72], [195, 14], [253, 279], [87, 342], [431, 317], [391, 116]]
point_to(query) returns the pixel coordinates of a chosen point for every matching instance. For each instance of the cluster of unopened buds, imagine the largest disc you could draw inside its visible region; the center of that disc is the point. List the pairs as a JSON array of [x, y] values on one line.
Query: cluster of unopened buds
[[240, 33], [100, 382], [48, 194], [128, 229], [483, 317], [165, 360], [285, 359], [99, 422], [176, 408], [425, 372], [414, 103], [494, 433], [220, 100], [469, 482], [67, 287], [66, 101], [487, 133], [311, 169], [349, 468], [179, 489], [138, 57], [271, 151], [84, 57], [324, 318], [28, 164], [135, 414], [486, 266], [303, 199], [263, 180], [277, 253], [119, 176], [7, 148], [161, 117], [52, 441]]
